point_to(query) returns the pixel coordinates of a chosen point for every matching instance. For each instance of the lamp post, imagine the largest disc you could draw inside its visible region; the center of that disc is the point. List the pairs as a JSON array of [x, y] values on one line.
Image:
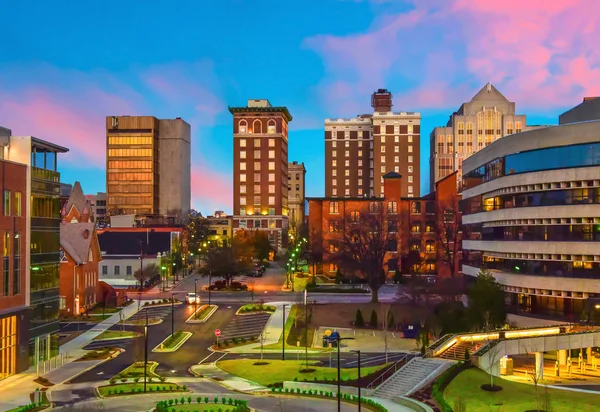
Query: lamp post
[[164, 277], [209, 283], [358, 382], [172, 314], [141, 267], [146, 351], [283, 334], [339, 378], [195, 299]]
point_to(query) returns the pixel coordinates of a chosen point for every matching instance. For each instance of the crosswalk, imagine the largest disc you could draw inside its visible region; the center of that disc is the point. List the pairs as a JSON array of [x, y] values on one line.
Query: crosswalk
[[116, 343], [245, 326], [161, 312]]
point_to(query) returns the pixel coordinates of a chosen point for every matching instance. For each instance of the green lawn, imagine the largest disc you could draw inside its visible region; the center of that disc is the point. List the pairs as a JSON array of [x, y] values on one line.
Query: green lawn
[[137, 370], [517, 397], [98, 310], [256, 308], [138, 388], [202, 313], [278, 371], [97, 354], [174, 340], [117, 334], [288, 325]]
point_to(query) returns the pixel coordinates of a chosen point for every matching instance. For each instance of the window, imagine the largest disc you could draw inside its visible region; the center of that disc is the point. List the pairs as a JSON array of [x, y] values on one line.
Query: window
[[410, 139], [17, 203], [410, 179], [334, 192], [397, 159], [518, 127], [256, 203], [243, 201], [396, 149], [347, 192], [257, 154], [392, 226], [410, 189], [382, 149], [393, 207], [117, 270], [271, 200], [360, 191], [297, 188], [333, 267], [347, 182], [271, 154], [256, 126], [271, 142], [410, 159], [334, 144], [6, 203], [297, 176], [355, 216], [382, 159], [271, 128], [334, 153], [242, 189], [243, 166], [347, 153], [271, 177], [509, 128], [242, 154], [346, 172], [392, 245], [242, 142], [410, 128], [271, 165], [347, 163], [243, 177], [440, 144], [382, 137], [374, 207], [347, 143], [410, 169], [334, 207], [415, 207], [243, 126], [396, 139], [271, 188], [360, 172], [360, 162], [334, 163], [257, 189], [382, 169], [334, 182], [360, 182], [416, 228], [333, 248], [410, 149], [397, 169], [104, 270], [129, 271], [6, 263], [429, 227], [256, 165], [334, 172], [334, 226]]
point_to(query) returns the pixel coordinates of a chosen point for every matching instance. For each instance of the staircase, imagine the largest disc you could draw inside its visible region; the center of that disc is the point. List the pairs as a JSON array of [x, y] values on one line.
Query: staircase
[[411, 377], [457, 351]]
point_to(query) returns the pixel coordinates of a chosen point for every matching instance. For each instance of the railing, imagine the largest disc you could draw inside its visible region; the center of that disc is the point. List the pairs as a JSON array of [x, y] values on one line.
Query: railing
[[389, 372], [440, 341]]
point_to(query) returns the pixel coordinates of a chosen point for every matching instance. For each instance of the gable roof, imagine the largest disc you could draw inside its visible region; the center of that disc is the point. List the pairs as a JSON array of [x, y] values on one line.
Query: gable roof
[[392, 175], [488, 89], [74, 241], [77, 199]]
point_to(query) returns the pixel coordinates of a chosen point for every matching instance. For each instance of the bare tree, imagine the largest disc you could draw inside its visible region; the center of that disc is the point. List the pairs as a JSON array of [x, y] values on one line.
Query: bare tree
[[449, 233], [385, 320], [492, 358], [366, 239], [314, 253]]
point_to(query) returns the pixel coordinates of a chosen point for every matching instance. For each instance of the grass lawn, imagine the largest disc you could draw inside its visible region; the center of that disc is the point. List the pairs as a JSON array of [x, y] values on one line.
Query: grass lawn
[[138, 388], [173, 341], [137, 370], [517, 397], [97, 354], [256, 308], [278, 371], [117, 334], [142, 322], [98, 310]]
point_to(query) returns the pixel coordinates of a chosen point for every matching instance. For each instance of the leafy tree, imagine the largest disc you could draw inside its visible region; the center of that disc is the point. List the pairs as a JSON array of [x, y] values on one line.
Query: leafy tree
[[227, 262], [487, 308], [360, 322], [261, 244], [147, 273], [373, 321], [198, 231]]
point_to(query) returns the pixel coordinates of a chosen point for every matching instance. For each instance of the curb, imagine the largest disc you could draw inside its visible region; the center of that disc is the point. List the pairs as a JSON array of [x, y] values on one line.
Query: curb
[[206, 318], [237, 312], [187, 335], [118, 338]]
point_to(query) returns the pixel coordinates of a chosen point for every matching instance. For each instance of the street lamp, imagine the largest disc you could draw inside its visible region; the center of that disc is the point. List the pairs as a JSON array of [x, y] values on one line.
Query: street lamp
[[172, 314], [195, 299], [339, 378], [283, 334], [165, 280], [146, 351], [358, 381]]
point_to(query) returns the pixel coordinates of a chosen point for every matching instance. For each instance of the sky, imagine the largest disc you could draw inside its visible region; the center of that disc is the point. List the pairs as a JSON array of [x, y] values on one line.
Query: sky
[[66, 65]]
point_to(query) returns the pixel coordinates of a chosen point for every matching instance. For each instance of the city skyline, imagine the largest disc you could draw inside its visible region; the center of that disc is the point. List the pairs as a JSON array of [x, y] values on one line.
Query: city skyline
[[328, 69]]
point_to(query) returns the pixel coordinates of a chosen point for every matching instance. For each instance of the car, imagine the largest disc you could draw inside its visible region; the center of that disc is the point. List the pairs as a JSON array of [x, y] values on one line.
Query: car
[[192, 298]]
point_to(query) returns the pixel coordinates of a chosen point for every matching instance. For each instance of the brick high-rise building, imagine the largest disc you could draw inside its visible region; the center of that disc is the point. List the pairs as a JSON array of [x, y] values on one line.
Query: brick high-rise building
[[260, 177], [147, 165], [359, 151], [296, 192]]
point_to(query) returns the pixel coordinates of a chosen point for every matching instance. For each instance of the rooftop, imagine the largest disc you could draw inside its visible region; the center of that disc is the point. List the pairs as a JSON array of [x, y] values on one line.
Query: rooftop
[[263, 109]]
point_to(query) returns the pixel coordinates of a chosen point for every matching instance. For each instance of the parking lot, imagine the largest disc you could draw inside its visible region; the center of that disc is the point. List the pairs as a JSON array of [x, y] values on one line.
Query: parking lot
[[160, 312], [245, 326]]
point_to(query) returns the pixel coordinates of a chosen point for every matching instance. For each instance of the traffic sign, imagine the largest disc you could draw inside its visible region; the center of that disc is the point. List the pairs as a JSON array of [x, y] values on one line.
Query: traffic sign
[[217, 332]]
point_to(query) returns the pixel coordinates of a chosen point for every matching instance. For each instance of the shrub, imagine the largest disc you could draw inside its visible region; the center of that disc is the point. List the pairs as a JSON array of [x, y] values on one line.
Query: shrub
[[296, 379], [170, 402], [206, 399], [150, 388], [182, 400], [467, 354], [184, 387], [136, 379], [298, 390], [373, 323], [216, 400], [223, 401], [176, 401], [234, 341], [243, 340], [359, 321], [112, 380], [230, 401]]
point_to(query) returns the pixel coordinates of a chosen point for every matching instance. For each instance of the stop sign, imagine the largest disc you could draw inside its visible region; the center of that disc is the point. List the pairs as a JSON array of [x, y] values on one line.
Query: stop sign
[[217, 332]]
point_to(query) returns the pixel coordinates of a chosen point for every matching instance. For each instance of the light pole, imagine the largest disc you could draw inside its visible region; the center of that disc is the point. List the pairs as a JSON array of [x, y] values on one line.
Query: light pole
[[172, 314], [339, 378], [358, 381], [195, 299], [146, 351], [283, 334], [209, 282]]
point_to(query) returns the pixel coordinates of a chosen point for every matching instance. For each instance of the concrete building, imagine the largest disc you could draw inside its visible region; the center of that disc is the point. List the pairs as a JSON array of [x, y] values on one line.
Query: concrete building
[[220, 228], [412, 222], [148, 165], [42, 226], [359, 151], [14, 295], [97, 206], [296, 193], [79, 255], [487, 117], [531, 209], [587, 110], [260, 178]]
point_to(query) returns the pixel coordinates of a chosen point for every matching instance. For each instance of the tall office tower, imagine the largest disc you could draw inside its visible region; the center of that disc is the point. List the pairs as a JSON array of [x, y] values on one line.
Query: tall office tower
[[359, 151], [41, 201], [260, 161], [296, 192], [147, 165], [477, 123]]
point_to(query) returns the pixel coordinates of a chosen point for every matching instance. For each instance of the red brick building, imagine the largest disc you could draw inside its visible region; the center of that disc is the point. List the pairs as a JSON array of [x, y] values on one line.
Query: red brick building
[[80, 255], [417, 227], [14, 294]]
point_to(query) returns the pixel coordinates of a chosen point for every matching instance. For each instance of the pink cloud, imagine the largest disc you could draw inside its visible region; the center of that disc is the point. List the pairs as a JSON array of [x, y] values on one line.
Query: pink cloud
[[211, 190]]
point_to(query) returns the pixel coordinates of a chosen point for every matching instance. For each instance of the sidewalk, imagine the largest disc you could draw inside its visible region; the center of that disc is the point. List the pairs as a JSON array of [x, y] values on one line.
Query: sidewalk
[[225, 379], [16, 389]]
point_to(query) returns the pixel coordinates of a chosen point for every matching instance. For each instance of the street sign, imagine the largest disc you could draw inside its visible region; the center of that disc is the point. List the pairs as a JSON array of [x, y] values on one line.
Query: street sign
[[217, 332]]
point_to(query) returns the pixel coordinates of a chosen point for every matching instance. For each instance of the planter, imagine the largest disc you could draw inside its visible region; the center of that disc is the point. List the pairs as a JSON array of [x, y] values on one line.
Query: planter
[[202, 316], [180, 340]]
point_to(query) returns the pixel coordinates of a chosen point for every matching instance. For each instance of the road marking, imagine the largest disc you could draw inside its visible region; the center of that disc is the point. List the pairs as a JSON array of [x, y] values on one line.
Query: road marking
[[225, 354], [202, 361]]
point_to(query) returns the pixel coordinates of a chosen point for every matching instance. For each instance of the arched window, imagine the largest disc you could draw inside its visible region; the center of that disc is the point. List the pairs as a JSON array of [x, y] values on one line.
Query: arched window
[[271, 127], [469, 128], [256, 126], [480, 123], [243, 126], [498, 123], [509, 128]]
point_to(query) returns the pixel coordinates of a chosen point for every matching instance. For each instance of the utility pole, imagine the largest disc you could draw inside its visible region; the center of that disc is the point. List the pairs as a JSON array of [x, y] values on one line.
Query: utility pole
[[146, 352]]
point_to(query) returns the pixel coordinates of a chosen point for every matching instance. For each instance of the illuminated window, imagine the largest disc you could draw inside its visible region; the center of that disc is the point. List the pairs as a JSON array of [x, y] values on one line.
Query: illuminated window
[[257, 189], [382, 169], [6, 203], [360, 172], [410, 169], [410, 139], [257, 165], [410, 179], [382, 137], [334, 144], [334, 172], [334, 163], [242, 188], [347, 153], [334, 207], [397, 159], [347, 192], [393, 207], [360, 162], [271, 188], [271, 177], [410, 189], [397, 169], [346, 172], [396, 139], [347, 163], [382, 149], [360, 191], [18, 203], [271, 165], [243, 126], [242, 154], [333, 267], [334, 153], [347, 143], [271, 154], [242, 142], [347, 182], [360, 153], [271, 142], [396, 149], [333, 182], [243, 177], [382, 159], [518, 127], [334, 192], [271, 128], [257, 154], [271, 200], [410, 159], [410, 128], [410, 149], [243, 166], [243, 201], [440, 143]]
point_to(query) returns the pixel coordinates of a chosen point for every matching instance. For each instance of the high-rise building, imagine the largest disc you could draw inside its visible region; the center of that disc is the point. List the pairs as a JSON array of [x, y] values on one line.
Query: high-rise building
[[477, 123], [531, 215], [296, 192], [260, 177], [147, 165], [359, 151], [98, 206], [42, 226]]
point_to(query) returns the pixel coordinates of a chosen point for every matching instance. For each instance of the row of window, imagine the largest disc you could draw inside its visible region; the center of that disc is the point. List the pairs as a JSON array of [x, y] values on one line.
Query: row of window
[[11, 243], [256, 176], [258, 223], [139, 199], [256, 154], [142, 187], [427, 267], [360, 162], [130, 140], [130, 152], [257, 211], [256, 143], [130, 164], [257, 200], [130, 176], [45, 206], [10, 208], [557, 233], [117, 270], [271, 189], [257, 127]]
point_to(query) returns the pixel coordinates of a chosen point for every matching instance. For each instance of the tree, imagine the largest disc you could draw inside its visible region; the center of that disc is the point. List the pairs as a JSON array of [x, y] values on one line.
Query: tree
[[449, 233], [198, 231], [314, 253], [487, 308], [227, 262], [262, 246], [373, 321], [359, 322], [147, 273], [492, 359], [365, 241]]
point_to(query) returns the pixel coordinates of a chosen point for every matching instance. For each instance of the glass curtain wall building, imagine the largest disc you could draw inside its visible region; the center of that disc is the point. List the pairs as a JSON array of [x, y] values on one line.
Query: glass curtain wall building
[[531, 216]]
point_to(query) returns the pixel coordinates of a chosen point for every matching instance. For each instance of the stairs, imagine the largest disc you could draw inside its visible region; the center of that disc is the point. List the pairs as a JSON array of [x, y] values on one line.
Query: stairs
[[457, 351], [411, 377]]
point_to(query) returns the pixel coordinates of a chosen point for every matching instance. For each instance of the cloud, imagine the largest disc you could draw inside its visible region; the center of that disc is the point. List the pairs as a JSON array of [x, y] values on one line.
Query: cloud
[[211, 190]]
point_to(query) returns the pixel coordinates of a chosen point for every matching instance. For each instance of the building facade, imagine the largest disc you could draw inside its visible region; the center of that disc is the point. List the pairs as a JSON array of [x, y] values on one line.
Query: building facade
[[14, 302], [98, 207], [296, 193], [260, 178], [80, 255], [359, 151], [42, 257], [531, 214], [147, 165], [477, 123], [412, 225], [220, 229]]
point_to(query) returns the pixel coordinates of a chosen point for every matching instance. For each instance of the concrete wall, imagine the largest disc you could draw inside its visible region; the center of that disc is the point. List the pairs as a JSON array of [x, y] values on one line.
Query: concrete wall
[[174, 166], [134, 262], [541, 247]]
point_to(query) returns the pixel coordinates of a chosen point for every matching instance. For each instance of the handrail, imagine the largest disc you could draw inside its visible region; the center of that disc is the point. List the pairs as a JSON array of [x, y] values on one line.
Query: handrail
[[431, 349], [396, 366]]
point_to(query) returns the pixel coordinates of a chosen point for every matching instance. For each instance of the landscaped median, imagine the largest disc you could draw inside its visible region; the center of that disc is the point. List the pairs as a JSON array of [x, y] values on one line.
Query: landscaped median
[[332, 394], [203, 313], [99, 354], [136, 370], [173, 342], [202, 404], [254, 308], [117, 334], [137, 388]]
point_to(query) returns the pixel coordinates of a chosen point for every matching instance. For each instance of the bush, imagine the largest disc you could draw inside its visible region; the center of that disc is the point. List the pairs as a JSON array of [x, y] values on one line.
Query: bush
[[136, 379], [467, 354], [373, 323], [359, 321], [243, 340], [206, 399], [234, 341]]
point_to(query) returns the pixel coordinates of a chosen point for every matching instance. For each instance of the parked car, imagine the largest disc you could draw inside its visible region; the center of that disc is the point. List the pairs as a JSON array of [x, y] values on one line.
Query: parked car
[[192, 298]]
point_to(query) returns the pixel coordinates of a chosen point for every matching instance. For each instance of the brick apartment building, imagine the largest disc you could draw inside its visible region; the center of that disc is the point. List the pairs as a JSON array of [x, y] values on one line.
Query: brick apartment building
[[415, 245], [80, 255]]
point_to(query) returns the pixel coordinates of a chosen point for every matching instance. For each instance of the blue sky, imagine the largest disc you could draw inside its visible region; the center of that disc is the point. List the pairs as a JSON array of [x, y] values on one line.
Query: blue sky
[[64, 66]]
